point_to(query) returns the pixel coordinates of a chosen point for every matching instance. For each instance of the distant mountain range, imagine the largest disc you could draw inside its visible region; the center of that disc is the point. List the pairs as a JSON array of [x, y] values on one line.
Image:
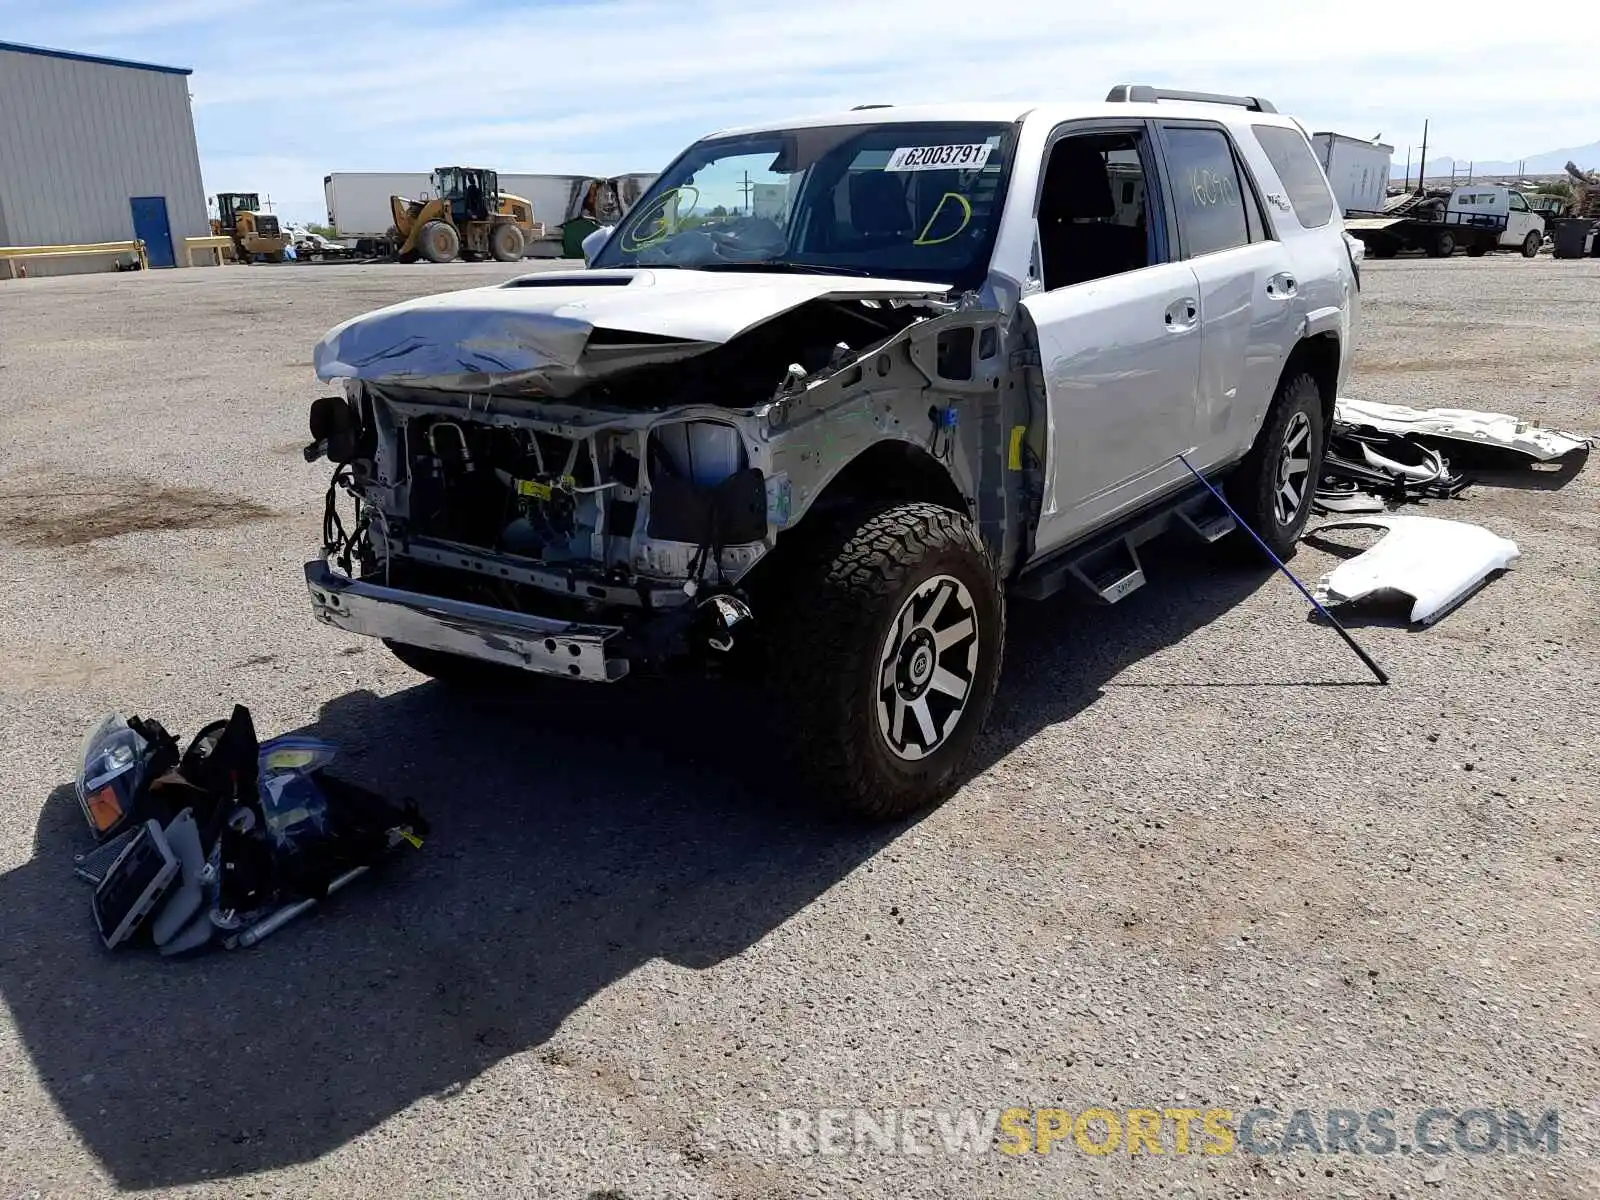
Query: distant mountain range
[[1551, 162]]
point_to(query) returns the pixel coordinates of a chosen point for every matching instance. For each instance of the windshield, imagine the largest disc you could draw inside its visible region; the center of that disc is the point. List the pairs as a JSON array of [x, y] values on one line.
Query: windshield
[[909, 201]]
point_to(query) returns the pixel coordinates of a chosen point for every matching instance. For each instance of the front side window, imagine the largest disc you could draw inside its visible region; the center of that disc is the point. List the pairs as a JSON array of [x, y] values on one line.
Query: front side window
[[1209, 196], [1518, 204], [1092, 208], [912, 201], [1291, 157]]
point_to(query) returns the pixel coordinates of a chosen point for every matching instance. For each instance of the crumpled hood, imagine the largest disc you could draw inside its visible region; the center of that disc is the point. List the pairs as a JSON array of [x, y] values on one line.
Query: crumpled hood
[[536, 328]]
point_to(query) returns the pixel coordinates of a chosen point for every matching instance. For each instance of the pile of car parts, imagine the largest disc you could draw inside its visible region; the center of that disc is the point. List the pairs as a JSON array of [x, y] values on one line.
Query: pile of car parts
[[227, 841], [1382, 454]]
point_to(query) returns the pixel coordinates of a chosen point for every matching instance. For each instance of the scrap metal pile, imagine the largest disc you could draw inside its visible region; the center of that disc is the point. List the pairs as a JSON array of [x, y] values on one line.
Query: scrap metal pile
[[1381, 456], [1384, 454]]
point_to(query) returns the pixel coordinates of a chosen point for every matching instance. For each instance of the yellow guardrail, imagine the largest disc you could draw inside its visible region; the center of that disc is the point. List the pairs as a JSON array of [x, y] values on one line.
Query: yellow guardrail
[[214, 244], [10, 254]]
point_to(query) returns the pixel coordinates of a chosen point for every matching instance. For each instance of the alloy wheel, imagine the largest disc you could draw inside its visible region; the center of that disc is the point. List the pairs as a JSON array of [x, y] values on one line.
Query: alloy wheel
[[1294, 470], [928, 667]]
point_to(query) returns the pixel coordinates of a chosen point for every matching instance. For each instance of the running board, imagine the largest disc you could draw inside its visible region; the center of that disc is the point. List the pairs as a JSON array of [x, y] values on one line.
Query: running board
[[1107, 566]]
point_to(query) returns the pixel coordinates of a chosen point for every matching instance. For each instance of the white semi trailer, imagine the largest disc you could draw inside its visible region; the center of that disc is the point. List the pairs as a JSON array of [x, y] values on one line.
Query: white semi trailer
[[1357, 170]]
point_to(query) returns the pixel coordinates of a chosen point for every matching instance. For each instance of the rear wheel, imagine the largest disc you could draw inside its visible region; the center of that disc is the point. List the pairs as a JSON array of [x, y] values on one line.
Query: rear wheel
[[439, 242], [505, 243], [1532, 243], [1273, 487], [1443, 245], [889, 659]]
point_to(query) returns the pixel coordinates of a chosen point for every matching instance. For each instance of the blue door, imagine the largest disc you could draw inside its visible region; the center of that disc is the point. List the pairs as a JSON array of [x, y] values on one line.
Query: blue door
[[150, 226]]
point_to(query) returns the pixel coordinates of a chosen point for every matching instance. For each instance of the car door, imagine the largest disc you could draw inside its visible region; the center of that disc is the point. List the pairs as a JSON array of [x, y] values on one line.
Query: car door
[[1249, 291], [1119, 354], [1519, 221]]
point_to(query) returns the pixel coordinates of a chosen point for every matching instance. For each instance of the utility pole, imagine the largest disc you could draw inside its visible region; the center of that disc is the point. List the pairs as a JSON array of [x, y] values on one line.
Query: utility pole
[[1408, 169], [748, 189], [1422, 167]]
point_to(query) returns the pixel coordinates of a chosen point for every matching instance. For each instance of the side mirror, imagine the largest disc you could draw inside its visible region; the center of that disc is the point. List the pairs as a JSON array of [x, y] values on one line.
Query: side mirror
[[597, 239]]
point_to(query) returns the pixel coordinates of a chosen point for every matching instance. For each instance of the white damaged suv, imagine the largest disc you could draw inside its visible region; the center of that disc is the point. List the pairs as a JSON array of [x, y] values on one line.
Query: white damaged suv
[[831, 393]]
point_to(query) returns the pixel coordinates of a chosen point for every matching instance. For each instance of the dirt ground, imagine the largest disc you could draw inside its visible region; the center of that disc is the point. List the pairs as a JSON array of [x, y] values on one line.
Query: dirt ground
[[1202, 864]]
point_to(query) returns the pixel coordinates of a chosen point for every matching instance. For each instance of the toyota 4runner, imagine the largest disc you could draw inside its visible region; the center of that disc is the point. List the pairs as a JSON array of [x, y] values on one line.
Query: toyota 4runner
[[831, 393]]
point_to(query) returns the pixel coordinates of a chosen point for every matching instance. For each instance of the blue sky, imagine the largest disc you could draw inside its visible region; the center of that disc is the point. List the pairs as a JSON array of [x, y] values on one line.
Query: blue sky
[[286, 91]]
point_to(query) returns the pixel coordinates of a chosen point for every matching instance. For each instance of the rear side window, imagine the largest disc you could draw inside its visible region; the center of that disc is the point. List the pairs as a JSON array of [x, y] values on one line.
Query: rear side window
[[1302, 177], [1209, 195]]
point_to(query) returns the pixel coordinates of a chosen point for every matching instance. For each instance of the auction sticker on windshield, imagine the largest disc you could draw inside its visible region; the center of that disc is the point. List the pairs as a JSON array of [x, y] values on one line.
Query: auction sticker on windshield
[[935, 158]]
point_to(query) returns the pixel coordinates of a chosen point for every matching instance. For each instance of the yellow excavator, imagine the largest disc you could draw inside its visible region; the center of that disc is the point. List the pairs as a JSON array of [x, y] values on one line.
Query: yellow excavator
[[254, 233], [468, 216]]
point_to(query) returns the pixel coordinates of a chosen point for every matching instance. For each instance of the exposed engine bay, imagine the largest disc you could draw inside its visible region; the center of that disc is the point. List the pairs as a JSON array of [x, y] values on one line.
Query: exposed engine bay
[[640, 493]]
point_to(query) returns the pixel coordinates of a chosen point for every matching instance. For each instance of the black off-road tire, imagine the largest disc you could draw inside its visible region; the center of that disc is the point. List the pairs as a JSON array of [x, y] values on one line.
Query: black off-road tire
[[831, 646], [1254, 488]]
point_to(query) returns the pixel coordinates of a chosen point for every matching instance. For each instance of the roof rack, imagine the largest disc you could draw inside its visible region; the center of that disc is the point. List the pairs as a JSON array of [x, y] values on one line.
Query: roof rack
[[1143, 93]]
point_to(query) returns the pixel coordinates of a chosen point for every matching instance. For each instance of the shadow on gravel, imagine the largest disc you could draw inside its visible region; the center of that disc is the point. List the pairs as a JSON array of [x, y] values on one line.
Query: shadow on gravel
[[1488, 469], [577, 835]]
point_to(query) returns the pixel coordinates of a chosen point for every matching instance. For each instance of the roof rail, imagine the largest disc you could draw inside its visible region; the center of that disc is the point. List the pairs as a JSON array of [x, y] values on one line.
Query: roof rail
[[859, 107], [1143, 93]]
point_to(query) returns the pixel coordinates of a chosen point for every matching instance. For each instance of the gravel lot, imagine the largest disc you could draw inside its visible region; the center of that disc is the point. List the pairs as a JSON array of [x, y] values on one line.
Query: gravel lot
[[1202, 864]]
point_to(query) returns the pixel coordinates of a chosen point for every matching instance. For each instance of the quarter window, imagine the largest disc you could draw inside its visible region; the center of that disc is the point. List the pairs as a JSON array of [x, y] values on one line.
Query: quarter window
[[1210, 197], [1302, 177]]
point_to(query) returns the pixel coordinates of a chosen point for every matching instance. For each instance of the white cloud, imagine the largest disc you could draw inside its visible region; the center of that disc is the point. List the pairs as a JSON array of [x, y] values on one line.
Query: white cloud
[[301, 89]]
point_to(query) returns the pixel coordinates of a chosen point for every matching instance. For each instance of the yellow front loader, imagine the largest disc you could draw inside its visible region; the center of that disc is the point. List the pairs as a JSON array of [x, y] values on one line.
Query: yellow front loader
[[468, 216], [254, 233]]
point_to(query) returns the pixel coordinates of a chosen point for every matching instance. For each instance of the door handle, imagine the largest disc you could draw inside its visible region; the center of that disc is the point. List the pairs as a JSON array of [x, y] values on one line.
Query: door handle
[[1281, 286], [1182, 315]]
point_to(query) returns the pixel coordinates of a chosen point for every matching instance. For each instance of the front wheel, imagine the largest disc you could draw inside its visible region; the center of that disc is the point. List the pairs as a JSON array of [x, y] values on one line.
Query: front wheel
[[891, 657], [505, 243], [1273, 487], [1532, 243], [439, 242], [1443, 246]]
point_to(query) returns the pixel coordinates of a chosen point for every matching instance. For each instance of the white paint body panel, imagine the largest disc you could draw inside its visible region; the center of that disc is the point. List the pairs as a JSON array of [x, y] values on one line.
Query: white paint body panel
[[1120, 383], [1463, 425], [506, 332], [1437, 563]]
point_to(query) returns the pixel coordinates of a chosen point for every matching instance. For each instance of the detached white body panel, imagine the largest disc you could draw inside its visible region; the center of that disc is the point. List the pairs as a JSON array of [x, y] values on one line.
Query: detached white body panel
[[1437, 563], [1462, 425]]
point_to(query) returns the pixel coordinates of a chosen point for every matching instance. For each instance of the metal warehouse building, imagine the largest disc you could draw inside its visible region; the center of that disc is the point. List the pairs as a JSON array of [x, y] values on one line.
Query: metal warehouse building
[[96, 150]]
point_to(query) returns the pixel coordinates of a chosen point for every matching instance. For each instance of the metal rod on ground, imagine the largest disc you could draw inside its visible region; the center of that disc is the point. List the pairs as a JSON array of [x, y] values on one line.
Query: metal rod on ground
[[1304, 591], [266, 928]]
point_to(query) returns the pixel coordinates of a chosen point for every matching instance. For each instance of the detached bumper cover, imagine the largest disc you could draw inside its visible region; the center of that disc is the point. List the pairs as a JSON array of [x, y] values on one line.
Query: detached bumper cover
[[538, 644]]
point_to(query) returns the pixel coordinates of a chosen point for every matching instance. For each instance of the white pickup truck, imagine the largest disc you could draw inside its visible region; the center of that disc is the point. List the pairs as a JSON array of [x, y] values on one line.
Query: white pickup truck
[[1477, 218]]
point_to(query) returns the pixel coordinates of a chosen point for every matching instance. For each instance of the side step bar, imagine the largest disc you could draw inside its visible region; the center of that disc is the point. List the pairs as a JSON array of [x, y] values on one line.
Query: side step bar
[[1107, 565]]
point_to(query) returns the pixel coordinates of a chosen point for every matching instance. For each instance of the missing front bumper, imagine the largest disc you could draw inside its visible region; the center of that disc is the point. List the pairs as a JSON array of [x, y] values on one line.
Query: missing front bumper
[[537, 644]]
